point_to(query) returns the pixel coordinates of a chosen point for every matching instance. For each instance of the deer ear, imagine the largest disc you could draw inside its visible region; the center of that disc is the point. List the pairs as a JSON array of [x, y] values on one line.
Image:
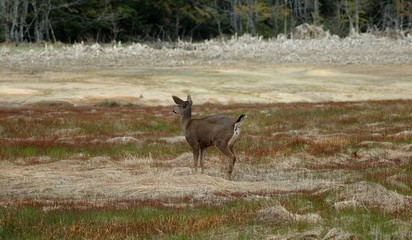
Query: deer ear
[[177, 100], [189, 100]]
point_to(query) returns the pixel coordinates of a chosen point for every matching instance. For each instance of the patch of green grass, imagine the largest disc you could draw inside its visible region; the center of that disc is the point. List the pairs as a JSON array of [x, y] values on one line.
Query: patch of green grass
[[364, 223], [238, 219], [28, 151], [139, 222], [161, 150], [359, 222]]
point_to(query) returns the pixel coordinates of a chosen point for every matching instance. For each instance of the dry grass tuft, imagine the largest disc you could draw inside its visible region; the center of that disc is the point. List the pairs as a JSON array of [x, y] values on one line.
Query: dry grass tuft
[[278, 215], [372, 195]]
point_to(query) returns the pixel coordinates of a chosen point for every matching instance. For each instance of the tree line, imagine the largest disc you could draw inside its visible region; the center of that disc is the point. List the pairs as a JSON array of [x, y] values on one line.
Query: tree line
[[168, 20]]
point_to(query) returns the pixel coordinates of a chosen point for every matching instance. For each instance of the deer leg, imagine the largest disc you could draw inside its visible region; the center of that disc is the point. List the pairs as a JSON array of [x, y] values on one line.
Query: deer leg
[[226, 150], [195, 157], [231, 166], [231, 149], [202, 158]]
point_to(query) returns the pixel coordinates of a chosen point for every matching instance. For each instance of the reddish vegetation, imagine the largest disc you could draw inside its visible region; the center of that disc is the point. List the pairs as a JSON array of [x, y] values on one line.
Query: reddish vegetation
[[105, 160]]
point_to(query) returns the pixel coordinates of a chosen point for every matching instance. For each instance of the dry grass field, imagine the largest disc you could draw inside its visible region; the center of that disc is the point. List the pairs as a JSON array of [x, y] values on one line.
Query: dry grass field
[[89, 147]]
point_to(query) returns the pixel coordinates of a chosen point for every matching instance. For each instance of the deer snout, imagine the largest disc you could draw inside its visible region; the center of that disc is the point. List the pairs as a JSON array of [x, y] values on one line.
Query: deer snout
[[176, 111]]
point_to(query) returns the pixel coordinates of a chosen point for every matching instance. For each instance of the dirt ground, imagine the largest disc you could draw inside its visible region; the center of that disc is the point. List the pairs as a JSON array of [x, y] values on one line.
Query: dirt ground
[[240, 70], [240, 83]]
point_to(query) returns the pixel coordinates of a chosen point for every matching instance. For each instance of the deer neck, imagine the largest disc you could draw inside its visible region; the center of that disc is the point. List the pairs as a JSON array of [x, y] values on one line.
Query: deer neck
[[185, 119]]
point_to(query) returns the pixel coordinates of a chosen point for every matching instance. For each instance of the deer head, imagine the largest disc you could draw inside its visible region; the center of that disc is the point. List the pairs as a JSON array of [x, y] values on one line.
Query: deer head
[[182, 106]]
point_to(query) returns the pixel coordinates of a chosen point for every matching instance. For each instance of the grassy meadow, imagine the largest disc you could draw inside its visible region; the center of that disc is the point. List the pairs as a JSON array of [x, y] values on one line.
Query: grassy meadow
[[362, 148]]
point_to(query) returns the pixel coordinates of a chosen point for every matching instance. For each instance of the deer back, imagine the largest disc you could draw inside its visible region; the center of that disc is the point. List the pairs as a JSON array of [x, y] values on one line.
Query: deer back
[[207, 131]]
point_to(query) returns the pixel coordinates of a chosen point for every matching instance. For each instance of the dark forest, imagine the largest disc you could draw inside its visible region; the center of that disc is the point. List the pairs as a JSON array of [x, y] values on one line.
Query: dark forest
[[72, 21]]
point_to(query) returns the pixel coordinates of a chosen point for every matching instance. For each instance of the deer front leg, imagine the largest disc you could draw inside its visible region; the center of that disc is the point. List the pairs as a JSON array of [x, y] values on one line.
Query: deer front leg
[[202, 158]]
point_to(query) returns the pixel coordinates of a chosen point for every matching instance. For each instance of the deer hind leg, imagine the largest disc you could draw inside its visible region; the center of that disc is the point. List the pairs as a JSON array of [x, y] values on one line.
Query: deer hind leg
[[231, 149], [228, 151]]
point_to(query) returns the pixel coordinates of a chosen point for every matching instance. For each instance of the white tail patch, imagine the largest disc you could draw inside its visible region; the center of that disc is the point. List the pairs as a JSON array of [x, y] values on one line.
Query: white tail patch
[[236, 129]]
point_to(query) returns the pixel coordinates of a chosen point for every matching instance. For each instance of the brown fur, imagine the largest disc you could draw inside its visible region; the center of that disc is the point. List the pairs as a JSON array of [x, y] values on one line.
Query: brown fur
[[219, 131]]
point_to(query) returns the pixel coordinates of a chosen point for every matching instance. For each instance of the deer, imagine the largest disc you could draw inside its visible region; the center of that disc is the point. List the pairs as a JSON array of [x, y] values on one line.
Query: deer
[[216, 130]]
